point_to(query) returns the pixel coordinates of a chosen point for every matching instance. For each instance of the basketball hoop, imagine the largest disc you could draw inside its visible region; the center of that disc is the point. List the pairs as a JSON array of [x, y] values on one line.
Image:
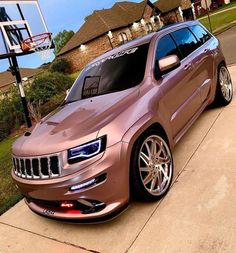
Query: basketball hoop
[[40, 43]]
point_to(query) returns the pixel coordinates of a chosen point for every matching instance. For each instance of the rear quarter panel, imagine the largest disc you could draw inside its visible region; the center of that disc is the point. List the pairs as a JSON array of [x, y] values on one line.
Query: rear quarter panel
[[218, 59]]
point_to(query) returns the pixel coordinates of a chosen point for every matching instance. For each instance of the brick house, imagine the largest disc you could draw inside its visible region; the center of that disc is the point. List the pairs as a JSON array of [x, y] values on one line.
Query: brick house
[[176, 10], [108, 28], [202, 5], [7, 80]]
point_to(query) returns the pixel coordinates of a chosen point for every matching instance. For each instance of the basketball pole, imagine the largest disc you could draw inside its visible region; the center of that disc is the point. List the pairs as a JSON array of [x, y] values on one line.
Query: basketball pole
[[16, 72], [208, 15]]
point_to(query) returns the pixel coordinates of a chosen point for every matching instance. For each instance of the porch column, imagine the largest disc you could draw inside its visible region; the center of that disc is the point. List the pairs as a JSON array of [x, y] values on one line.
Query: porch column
[[181, 13], [159, 20], [193, 10]]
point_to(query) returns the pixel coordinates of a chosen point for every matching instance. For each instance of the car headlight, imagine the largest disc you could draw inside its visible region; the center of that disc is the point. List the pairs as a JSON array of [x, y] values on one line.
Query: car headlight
[[87, 150]]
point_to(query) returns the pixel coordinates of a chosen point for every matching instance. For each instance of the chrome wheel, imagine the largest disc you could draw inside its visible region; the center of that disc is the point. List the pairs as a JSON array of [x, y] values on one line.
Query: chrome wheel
[[225, 84], [155, 165]]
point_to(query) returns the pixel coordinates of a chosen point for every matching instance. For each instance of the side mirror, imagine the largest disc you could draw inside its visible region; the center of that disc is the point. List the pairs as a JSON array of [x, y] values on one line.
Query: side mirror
[[168, 63]]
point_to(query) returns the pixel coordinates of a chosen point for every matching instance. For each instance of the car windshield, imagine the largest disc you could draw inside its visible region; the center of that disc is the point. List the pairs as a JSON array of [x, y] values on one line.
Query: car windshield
[[117, 72]]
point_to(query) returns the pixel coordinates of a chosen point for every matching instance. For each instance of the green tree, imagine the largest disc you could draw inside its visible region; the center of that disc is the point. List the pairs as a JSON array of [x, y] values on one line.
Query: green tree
[[61, 39], [61, 66]]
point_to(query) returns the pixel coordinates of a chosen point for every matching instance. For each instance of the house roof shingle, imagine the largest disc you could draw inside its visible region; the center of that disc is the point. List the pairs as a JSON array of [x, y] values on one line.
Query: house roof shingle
[[7, 79], [167, 5], [100, 22]]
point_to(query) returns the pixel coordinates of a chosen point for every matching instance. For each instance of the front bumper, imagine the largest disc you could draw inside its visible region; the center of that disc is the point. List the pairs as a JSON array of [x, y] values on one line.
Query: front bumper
[[110, 195]]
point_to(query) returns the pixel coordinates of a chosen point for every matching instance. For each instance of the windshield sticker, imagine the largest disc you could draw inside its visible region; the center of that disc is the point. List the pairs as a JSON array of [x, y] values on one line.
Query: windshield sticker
[[91, 85], [112, 57]]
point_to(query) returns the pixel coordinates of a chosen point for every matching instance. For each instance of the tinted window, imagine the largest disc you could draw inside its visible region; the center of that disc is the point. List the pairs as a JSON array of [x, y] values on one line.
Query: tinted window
[[186, 41], [117, 72], [165, 47], [200, 33]]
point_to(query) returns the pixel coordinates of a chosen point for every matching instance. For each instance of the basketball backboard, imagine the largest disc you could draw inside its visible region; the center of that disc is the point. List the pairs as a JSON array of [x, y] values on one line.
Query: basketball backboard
[[21, 21]]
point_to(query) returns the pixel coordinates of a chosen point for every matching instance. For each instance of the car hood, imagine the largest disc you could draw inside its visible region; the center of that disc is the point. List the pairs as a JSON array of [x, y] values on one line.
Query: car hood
[[73, 124]]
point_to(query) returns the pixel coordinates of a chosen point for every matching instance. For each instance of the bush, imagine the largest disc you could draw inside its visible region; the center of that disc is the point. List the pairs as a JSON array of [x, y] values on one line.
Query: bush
[[47, 92], [61, 66], [11, 113], [47, 85], [53, 103], [44, 94]]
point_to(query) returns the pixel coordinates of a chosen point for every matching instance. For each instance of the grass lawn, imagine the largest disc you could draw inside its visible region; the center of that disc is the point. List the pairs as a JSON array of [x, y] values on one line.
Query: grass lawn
[[219, 20], [222, 8], [225, 7], [9, 195]]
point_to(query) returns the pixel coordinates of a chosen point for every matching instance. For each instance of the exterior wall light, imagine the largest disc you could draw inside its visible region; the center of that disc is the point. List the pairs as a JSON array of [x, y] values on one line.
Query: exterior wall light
[[109, 34], [82, 47]]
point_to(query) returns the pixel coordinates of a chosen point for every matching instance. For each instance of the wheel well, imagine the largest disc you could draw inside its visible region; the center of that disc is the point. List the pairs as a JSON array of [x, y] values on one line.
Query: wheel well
[[157, 127], [222, 63]]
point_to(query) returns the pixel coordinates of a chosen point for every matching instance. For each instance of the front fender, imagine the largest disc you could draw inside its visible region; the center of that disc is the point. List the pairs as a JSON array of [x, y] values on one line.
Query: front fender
[[141, 126]]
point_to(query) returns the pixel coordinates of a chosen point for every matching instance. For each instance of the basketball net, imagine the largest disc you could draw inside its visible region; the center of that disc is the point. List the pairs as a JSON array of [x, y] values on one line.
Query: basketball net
[[43, 50], [41, 44]]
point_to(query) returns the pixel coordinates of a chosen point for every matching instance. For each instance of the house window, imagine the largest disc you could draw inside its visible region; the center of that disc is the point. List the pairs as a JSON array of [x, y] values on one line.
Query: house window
[[123, 38], [149, 27], [188, 14]]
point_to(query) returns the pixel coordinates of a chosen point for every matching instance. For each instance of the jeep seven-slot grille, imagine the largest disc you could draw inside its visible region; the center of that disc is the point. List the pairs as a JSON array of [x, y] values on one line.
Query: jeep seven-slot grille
[[37, 168]]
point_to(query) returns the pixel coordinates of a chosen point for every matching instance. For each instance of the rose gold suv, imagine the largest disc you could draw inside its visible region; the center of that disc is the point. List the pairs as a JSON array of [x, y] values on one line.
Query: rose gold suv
[[113, 135]]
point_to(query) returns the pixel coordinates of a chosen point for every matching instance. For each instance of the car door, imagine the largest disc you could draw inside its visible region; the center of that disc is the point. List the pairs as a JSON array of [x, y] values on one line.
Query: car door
[[203, 60], [181, 97]]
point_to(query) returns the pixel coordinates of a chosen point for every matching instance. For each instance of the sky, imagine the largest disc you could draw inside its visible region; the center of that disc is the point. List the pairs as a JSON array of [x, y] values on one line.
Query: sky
[[60, 15]]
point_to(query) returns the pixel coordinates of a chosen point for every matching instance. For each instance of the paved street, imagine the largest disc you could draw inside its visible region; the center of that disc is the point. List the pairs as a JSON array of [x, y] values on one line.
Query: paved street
[[197, 216], [228, 42]]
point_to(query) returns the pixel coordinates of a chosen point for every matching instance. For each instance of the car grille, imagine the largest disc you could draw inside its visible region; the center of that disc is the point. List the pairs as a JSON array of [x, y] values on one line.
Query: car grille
[[37, 167]]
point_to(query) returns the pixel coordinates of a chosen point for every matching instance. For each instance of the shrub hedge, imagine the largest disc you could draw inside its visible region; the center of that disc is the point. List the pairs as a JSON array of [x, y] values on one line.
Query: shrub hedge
[[45, 93], [61, 66]]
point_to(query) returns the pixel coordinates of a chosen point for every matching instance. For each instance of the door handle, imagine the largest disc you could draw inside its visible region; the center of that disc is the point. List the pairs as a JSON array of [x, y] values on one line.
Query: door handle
[[188, 66]]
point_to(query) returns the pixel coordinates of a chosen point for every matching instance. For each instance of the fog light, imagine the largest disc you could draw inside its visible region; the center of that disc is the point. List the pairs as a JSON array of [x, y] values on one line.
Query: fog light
[[67, 205], [84, 185]]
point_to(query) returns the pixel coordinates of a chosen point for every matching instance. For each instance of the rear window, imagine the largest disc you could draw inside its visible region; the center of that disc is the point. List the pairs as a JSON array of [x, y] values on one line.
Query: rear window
[[117, 72], [185, 41], [201, 34]]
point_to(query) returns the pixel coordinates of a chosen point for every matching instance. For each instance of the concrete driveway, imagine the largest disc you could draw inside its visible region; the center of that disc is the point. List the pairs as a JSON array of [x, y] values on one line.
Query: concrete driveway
[[227, 40], [198, 215]]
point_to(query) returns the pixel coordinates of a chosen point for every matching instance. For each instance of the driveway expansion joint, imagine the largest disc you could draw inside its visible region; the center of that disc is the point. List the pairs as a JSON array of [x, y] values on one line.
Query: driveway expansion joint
[[49, 238], [177, 177]]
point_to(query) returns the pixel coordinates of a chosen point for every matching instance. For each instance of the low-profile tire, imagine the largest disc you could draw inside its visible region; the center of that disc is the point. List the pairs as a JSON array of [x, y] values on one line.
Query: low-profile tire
[[224, 88], [151, 167]]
